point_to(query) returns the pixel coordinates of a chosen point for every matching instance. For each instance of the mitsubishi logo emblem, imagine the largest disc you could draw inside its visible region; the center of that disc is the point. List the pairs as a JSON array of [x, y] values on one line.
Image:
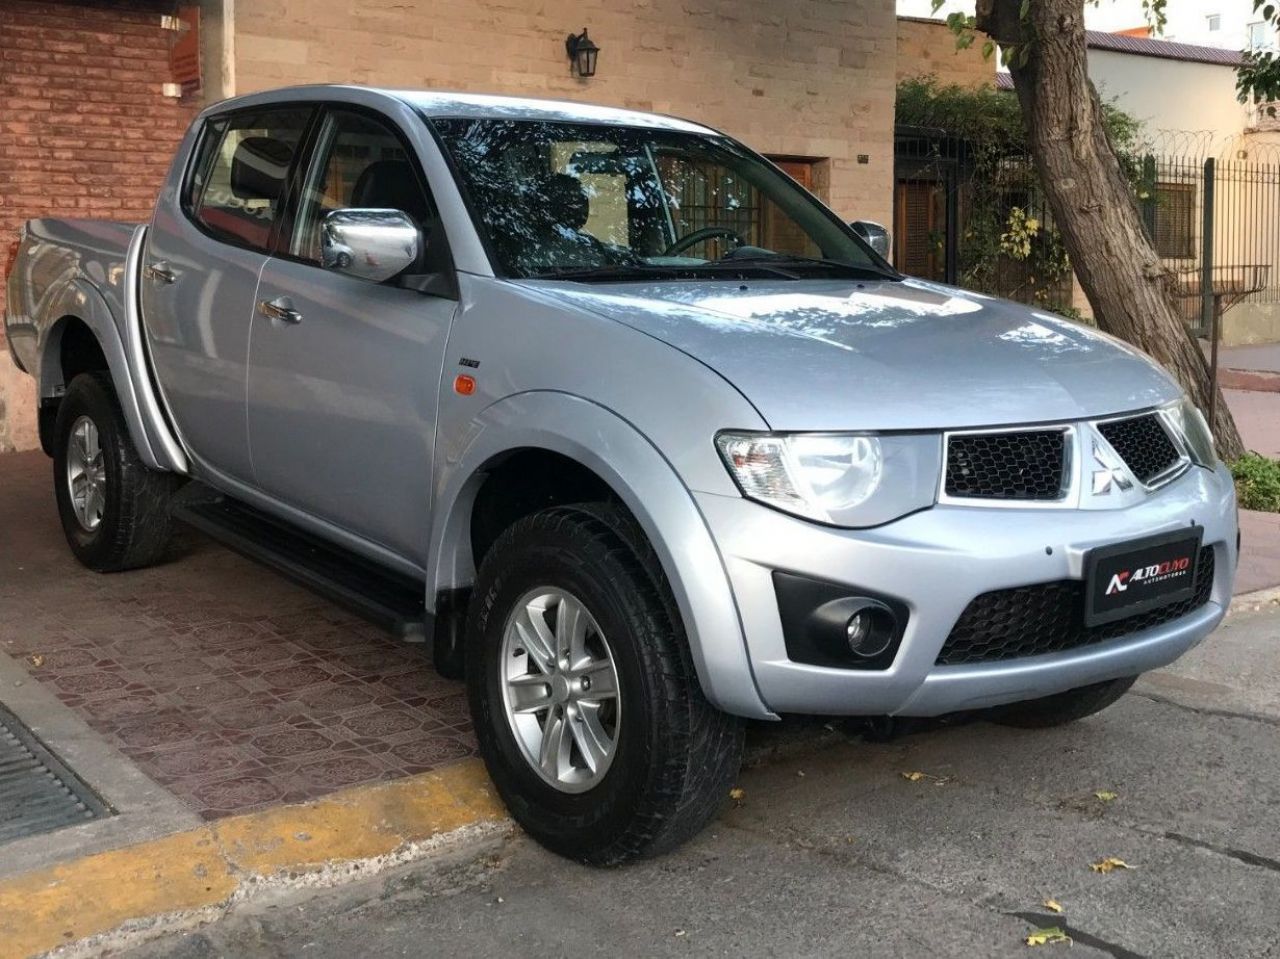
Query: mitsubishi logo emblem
[[1110, 474]]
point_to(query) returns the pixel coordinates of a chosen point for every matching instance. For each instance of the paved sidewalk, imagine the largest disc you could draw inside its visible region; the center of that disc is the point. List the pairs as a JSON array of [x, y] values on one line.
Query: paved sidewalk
[[229, 686], [1255, 368], [1257, 416], [1264, 358]]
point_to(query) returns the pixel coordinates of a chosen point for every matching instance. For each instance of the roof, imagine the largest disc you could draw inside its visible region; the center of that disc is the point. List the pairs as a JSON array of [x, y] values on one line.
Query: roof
[[440, 103], [1147, 47], [473, 105], [1164, 49]]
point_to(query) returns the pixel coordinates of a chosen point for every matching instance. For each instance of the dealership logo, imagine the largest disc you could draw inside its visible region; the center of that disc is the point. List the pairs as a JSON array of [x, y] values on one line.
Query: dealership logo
[[1109, 472], [1148, 575]]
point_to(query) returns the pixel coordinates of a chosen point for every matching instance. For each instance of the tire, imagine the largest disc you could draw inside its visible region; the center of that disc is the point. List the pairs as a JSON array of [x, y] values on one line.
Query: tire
[[1063, 708], [675, 756], [133, 527]]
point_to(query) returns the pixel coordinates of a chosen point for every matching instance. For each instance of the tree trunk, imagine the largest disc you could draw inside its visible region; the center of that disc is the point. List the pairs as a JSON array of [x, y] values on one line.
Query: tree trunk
[[1129, 289]]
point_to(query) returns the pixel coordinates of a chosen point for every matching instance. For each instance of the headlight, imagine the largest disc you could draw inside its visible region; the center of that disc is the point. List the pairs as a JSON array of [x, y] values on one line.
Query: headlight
[[841, 479], [1191, 426]]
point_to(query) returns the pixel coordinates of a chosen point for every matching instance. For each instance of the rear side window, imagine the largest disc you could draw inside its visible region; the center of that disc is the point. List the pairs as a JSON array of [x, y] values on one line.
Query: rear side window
[[237, 185]]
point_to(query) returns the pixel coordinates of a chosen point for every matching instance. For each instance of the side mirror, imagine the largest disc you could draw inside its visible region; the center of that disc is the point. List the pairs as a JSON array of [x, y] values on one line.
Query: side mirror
[[371, 244], [874, 234]]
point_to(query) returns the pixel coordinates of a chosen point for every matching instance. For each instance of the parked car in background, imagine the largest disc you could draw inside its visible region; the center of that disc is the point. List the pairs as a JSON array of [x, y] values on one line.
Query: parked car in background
[[634, 432]]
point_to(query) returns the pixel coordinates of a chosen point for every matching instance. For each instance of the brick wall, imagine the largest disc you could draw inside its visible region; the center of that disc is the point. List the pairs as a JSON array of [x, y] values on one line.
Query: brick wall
[[84, 130], [806, 78], [928, 48]]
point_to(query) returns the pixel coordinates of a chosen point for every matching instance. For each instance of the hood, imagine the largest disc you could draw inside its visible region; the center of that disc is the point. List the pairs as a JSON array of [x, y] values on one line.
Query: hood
[[883, 355]]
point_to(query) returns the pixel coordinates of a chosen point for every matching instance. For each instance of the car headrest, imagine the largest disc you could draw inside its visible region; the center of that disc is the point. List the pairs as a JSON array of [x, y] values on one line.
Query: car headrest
[[258, 168], [561, 200], [391, 185]]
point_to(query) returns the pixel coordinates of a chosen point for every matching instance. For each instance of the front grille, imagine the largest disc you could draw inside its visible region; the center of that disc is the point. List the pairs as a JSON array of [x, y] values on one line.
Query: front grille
[[1048, 618], [1143, 444], [1026, 465]]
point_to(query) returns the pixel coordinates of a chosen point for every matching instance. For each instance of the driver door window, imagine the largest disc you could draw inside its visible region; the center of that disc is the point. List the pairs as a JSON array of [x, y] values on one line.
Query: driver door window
[[360, 163]]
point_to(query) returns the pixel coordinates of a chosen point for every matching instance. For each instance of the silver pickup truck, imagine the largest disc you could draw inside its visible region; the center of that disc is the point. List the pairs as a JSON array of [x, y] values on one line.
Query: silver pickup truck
[[626, 427]]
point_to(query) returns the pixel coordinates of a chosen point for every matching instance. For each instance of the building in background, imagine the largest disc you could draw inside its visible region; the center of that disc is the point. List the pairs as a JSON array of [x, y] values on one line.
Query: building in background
[[1226, 24], [97, 93]]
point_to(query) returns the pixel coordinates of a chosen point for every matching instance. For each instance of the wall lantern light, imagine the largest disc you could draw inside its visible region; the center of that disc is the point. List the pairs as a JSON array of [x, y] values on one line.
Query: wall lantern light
[[582, 53]]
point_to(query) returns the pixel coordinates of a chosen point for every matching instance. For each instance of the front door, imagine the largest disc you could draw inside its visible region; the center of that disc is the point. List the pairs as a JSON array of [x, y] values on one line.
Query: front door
[[343, 390], [200, 270]]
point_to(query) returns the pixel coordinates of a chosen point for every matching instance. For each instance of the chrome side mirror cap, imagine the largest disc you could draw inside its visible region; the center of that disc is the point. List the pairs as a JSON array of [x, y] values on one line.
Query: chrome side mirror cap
[[370, 244], [875, 234]]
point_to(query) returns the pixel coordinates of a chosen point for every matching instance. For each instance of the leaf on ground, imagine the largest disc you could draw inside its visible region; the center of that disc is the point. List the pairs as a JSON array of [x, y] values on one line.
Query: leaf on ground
[[1105, 795], [1052, 905], [1110, 864], [1047, 937], [915, 777]]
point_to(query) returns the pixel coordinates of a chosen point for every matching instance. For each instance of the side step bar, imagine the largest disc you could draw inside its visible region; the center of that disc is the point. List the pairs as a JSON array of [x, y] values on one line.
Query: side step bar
[[384, 597]]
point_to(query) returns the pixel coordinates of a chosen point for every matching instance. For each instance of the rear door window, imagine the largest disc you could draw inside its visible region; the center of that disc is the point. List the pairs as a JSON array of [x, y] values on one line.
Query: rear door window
[[237, 187]]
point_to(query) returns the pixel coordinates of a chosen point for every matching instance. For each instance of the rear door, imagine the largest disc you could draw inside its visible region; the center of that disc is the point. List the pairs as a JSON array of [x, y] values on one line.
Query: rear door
[[200, 271], [342, 395]]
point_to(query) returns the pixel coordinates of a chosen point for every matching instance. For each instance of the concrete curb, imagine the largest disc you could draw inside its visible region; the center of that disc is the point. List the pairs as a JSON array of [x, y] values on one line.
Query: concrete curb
[[191, 877], [1258, 599], [1252, 380]]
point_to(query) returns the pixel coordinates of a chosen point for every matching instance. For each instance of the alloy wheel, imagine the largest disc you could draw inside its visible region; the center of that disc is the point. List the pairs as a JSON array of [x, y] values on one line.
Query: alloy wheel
[[560, 689], [86, 474]]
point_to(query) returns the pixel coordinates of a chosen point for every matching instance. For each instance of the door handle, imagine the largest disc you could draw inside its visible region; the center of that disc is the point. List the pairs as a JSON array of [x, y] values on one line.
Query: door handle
[[280, 309], [160, 272]]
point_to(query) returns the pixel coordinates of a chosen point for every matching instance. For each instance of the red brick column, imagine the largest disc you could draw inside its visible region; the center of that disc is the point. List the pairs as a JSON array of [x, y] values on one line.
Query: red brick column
[[85, 130]]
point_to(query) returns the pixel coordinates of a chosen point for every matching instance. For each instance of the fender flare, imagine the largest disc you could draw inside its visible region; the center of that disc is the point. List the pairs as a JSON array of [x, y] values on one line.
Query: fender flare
[[127, 362], [78, 299], [645, 481]]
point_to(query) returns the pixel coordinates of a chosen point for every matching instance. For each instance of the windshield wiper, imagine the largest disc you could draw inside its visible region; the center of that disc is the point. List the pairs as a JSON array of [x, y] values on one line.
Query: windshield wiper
[[796, 260], [714, 269]]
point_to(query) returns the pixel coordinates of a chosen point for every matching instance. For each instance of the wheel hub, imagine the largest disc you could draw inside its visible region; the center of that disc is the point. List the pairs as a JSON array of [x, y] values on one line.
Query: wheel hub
[[560, 689], [86, 474]]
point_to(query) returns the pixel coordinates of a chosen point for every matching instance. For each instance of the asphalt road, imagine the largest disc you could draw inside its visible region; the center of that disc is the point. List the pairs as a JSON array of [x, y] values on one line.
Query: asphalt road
[[833, 852]]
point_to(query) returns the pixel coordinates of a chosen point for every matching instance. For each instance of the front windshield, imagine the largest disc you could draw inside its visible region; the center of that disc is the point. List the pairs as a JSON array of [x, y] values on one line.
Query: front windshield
[[581, 199]]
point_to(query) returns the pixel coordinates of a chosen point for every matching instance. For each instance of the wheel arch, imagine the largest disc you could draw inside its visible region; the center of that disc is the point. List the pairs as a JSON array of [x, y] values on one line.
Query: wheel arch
[[83, 321], [606, 455]]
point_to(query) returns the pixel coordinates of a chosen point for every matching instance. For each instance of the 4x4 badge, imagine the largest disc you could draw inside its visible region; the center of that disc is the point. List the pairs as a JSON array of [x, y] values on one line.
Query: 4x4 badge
[[1111, 474]]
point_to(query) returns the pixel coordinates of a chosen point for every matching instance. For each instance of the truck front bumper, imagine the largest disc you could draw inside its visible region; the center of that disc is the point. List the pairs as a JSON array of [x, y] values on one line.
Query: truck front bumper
[[934, 563]]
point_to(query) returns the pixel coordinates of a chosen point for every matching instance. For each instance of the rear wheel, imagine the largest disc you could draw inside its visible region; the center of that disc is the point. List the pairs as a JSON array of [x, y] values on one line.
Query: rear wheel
[[1063, 708], [114, 511], [586, 706]]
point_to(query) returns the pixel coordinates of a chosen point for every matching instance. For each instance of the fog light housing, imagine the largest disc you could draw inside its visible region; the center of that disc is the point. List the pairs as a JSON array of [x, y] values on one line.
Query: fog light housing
[[839, 626]]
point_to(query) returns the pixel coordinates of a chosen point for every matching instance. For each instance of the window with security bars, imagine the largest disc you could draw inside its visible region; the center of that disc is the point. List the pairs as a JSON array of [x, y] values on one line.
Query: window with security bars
[[1175, 217]]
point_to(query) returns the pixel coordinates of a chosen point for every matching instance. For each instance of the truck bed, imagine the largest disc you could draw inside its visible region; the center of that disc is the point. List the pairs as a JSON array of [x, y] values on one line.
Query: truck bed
[[54, 253]]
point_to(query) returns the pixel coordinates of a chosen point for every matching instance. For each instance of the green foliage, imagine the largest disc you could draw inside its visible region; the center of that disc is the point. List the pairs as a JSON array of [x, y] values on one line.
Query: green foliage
[[1008, 247], [1257, 482], [1259, 78]]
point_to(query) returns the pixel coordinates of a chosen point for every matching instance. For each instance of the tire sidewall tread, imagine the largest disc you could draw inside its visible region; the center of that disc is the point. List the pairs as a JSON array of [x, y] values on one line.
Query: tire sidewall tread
[[135, 527], [677, 755]]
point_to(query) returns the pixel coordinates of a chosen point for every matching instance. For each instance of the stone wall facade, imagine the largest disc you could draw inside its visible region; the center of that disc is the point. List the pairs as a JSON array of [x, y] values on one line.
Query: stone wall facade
[[808, 78], [928, 48]]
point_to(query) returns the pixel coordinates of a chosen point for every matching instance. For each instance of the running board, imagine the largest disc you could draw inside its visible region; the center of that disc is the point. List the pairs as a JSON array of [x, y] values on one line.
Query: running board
[[384, 597]]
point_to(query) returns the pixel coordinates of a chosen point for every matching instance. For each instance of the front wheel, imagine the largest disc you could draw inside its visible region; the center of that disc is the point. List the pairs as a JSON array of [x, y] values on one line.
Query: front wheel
[[1062, 708], [114, 511], [585, 702]]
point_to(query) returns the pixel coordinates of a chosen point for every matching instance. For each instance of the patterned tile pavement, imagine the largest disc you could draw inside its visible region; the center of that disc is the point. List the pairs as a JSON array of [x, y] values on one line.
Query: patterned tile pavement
[[225, 683]]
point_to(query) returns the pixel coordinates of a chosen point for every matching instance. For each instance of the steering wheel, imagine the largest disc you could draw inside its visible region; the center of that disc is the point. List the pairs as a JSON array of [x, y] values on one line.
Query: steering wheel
[[706, 233]]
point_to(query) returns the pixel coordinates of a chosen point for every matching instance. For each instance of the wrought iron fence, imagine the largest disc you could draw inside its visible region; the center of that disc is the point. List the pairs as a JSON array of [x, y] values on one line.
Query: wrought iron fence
[[952, 223]]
